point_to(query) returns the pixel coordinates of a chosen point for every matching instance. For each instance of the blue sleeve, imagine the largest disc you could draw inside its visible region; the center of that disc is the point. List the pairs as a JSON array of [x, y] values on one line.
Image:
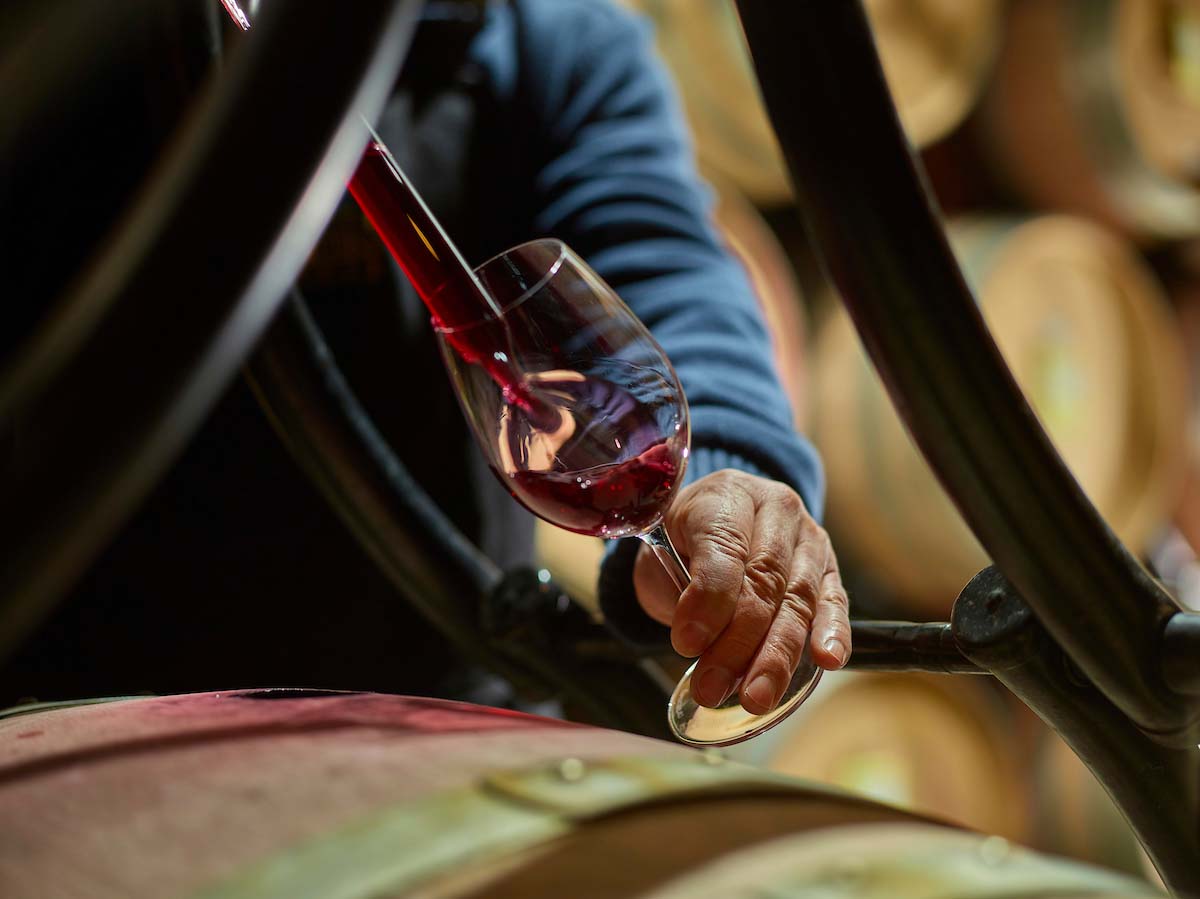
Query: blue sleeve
[[617, 183]]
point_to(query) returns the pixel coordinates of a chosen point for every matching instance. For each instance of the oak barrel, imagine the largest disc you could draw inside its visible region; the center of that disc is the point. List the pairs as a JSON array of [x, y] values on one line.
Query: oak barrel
[[936, 55], [1085, 327], [345, 796], [1184, 287], [938, 745], [1095, 109], [1072, 814]]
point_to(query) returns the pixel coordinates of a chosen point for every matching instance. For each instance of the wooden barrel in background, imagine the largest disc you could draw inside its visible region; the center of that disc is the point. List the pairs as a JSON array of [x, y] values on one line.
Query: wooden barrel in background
[[958, 748], [1072, 814], [574, 559], [1178, 559], [773, 279], [937, 745], [1085, 328], [936, 54], [1158, 60], [1094, 109], [347, 796]]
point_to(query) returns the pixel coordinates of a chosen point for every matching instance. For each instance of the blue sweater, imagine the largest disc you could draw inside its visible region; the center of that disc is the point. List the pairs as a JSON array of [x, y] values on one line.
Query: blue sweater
[[609, 170]]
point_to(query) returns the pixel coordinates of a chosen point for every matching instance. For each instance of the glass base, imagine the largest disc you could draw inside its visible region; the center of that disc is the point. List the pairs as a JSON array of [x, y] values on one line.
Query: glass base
[[729, 723]]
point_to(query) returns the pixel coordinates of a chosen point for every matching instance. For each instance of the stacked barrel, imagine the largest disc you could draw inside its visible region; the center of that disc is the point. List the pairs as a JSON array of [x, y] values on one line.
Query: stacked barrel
[[1062, 139]]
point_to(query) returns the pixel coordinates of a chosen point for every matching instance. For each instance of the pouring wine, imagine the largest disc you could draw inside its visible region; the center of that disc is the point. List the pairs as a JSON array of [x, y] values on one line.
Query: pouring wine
[[573, 403]]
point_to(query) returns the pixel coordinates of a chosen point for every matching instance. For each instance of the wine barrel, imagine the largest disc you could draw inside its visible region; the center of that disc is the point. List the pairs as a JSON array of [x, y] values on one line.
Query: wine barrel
[[573, 558], [1072, 814], [1095, 109], [1085, 328], [938, 745], [340, 796], [748, 236], [1185, 297], [956, 748], [935, 53]]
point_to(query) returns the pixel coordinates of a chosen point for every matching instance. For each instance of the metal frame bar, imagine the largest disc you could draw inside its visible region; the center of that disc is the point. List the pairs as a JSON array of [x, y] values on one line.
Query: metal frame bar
[[1156, 787], [905, 646], [128, 364]]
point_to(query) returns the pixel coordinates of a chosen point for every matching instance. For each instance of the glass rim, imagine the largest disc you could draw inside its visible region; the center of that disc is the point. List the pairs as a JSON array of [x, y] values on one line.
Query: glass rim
[[508, 307]]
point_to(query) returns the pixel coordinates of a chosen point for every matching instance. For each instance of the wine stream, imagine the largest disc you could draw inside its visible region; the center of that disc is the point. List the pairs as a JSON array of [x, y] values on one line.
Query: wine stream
[[434, 266]]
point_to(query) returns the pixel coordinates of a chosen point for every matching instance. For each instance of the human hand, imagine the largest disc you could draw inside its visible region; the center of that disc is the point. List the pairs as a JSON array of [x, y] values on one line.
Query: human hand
[[763, 576]]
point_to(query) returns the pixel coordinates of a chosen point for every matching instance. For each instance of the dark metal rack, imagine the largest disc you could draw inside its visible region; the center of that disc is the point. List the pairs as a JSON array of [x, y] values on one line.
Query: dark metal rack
[[117, 378]]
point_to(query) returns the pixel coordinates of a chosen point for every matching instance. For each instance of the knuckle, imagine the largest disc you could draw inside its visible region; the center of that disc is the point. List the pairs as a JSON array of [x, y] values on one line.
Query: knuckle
[[788, 500], [712, 589], [736, 476], [717, 571], [758, 605], [728, 541], [775, 658], [836, 597], [721, 479], [805, 585], [757, 608], [797, 608], [766, 578]]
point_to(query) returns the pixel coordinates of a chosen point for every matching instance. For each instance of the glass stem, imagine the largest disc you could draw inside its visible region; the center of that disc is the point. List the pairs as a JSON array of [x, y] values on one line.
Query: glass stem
[[658, 541]]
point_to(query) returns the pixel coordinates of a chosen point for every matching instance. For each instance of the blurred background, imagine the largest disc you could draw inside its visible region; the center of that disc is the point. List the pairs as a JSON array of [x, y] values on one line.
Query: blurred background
[[1062, 140]]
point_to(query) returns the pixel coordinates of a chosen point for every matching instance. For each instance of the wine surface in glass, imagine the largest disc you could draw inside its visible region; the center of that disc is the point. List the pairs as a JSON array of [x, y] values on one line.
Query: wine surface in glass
[[603, 501], [611, 467]]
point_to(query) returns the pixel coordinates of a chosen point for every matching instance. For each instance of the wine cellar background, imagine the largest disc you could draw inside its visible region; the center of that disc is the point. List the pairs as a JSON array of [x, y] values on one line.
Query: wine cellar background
[[1062, 140]]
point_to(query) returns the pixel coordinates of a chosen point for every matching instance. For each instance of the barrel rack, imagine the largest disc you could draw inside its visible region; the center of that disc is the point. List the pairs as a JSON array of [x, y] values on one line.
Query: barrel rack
[[1066, 618]]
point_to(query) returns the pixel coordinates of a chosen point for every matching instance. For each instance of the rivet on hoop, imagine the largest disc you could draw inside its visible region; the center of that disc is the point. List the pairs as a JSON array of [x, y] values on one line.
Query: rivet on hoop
[[572, 770], [994, 850]]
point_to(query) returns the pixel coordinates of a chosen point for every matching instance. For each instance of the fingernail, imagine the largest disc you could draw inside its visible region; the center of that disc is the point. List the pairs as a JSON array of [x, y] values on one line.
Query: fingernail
[[761, 692], [713, 687], [834, 647], [693, 639]]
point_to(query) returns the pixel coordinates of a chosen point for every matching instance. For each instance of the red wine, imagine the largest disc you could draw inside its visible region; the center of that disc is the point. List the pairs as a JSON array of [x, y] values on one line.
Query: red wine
[[414, 237], [417, 242], [611, 468], [446, 284], [613, 500]]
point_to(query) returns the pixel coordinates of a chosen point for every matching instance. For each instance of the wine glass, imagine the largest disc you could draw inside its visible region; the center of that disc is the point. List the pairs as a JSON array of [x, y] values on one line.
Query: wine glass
[[582, 418]]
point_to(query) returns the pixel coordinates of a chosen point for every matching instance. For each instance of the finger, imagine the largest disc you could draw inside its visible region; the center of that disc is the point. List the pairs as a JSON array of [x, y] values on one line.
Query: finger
[[765, 582], [779, 654], [713, 529], [656, 593], [778, 657], [831, 624]]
